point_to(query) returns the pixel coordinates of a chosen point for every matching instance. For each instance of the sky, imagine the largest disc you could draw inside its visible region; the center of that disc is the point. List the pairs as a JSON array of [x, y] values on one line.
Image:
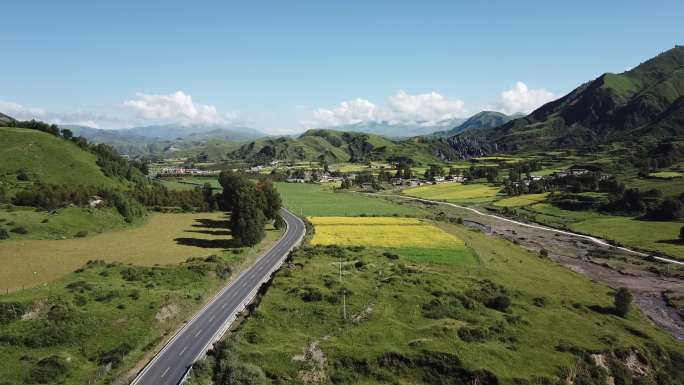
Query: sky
[[284, 66]]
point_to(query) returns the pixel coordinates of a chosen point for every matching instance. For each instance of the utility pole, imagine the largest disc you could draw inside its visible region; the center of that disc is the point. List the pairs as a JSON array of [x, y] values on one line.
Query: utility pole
[[344, 305]]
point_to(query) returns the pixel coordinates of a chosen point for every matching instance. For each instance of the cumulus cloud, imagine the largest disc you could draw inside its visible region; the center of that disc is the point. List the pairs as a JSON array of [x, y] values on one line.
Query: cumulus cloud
[[349, 112], [402, 108], [177, 107], [82, 118], [521, 98]]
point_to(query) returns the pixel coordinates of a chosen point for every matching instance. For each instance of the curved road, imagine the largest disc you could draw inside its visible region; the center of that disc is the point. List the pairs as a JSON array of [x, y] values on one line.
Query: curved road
[[171, 364], [595, 240]]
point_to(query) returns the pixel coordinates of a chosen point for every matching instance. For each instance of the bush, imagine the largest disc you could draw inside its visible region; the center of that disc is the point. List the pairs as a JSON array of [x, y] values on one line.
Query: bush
[[623, 301], [473, 334], [81, 234], [47, 371], [4, 234], [500, 303], [20, 230]]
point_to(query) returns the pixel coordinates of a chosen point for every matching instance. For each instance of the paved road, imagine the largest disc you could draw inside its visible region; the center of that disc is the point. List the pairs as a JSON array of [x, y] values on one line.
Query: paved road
[[170, 365], [595, 240]]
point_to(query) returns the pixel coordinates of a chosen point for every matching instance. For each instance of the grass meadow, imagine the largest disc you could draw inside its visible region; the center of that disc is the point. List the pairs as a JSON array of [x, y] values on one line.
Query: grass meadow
[[164, 239], [310, 199], [417, 321], [455, 192]]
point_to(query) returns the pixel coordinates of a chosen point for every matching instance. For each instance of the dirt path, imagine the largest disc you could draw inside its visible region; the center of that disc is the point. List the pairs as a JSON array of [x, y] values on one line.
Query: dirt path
[[646, 277]]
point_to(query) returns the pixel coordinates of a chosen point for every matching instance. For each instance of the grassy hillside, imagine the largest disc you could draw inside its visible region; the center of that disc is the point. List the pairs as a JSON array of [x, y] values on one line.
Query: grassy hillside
[[47, 158], [506, 317]]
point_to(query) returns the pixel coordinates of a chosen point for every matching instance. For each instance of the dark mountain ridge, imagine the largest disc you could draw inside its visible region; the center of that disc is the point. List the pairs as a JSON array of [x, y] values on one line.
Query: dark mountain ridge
[[645, 101]]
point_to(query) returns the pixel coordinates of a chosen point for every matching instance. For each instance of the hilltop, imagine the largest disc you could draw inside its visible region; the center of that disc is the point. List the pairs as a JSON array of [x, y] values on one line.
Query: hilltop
[[483, 119], [644, 104]]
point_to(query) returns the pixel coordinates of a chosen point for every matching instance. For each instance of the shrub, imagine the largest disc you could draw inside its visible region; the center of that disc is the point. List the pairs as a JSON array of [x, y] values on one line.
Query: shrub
[[473, 334], [47, 370], [4, 234], [623, 301], [20, 230], [81, 234], [500, 303]]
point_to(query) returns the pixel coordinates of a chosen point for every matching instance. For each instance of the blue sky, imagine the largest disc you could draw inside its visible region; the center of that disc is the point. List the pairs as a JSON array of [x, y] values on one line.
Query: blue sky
[[282, 66]]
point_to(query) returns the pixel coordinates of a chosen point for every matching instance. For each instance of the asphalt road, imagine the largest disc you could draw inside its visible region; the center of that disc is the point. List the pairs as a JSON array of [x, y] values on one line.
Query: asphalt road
[[170, 365]]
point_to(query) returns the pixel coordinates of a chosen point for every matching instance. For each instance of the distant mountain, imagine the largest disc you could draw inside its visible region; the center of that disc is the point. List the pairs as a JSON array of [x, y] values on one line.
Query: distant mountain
[[167, 139], [4, 119], [484, 119], [643, 105], [176, 131], [396, 130]]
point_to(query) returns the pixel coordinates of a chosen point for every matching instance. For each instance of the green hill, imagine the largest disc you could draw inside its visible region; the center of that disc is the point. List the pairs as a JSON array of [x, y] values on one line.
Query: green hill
[[41, 157], [336, 146], [644, 104]]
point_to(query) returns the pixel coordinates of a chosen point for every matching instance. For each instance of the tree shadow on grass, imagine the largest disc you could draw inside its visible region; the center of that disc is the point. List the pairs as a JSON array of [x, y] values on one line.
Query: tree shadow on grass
[[210, 232], [602, 309], [211, 223], [208, 243], [677, 242]]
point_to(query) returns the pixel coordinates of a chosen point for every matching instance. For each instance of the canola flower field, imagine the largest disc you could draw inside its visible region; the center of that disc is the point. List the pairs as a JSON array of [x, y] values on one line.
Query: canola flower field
[[455, 192], [381, 232]]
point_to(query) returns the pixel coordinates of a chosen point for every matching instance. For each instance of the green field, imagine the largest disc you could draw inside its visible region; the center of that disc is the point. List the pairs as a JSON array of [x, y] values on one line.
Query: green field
[[455, 192], [189, 183], [666, 175], [320, 200], [648, 235], [105, 317], [67, 164], [521, 200], [165, 238], [410, 322]]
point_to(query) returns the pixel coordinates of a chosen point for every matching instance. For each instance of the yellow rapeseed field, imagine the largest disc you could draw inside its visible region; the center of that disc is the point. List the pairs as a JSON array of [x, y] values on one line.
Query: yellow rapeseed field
[[381, 232]]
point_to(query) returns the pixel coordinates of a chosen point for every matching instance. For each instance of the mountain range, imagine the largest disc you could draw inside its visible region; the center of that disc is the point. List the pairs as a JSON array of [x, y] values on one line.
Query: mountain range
[[397, 130], [644, 104]]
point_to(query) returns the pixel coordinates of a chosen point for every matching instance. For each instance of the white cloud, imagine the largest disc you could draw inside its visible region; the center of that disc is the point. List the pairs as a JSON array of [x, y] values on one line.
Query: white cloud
[[430, 108], [349, 112], [177, 107], [522, 99], [402, 108], [82, 118]]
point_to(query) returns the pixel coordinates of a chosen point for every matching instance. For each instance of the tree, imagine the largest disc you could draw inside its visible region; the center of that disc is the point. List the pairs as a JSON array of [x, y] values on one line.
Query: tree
[[67, 133], [231, 182], [247, 220], [623, 301], [270, 199], [209, 198]]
